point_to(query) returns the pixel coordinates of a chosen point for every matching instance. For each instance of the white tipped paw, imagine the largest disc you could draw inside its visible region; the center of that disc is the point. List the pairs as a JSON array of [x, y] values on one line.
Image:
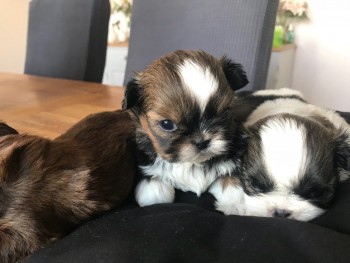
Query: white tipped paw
[[344, 175], [153, 191], [229, 196]]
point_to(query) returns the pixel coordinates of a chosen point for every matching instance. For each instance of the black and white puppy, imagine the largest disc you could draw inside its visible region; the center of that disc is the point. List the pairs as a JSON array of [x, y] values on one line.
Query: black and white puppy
[[292, 157], [182, 105]]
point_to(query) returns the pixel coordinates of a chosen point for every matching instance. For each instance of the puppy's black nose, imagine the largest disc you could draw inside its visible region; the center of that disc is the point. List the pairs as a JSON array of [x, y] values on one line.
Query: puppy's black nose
[[282, 213], [202, 145]]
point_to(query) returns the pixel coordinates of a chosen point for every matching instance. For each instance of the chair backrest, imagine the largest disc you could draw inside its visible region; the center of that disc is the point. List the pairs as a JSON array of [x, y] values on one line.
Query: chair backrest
[[67, 39], [241, 29]]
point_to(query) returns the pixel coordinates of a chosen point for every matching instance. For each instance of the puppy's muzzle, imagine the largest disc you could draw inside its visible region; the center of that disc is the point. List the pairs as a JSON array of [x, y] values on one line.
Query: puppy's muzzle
[[282, 213]]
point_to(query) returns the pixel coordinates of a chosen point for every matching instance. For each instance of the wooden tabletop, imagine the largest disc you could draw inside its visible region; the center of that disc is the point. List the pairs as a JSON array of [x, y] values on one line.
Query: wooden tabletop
[[47, 106]]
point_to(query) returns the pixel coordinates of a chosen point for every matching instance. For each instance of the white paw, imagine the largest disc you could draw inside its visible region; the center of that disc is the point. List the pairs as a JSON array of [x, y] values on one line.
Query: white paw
[[229, 197], [153, 191], [344, 175]]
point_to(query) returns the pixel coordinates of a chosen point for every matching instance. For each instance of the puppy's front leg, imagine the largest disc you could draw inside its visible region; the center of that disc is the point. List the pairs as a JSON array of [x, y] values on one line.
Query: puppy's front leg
[[151, 191], [229, 196]]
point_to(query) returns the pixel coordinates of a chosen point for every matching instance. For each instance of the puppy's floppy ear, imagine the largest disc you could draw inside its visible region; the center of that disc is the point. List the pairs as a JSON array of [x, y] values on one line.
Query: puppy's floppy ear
[[235, 75], [6, 130], [342, 156], [132, 95]]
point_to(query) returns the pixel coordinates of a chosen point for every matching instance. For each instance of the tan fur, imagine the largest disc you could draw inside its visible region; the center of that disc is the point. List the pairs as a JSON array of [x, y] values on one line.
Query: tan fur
[[146, 129], [229, 181], [163, 89]]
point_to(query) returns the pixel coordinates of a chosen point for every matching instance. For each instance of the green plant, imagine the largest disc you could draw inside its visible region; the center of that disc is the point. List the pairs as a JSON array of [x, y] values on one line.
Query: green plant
[[123, 6]]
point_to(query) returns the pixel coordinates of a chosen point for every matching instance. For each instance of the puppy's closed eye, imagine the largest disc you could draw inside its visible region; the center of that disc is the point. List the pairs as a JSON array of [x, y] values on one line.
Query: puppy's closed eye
[[256, 186], [316, 192]]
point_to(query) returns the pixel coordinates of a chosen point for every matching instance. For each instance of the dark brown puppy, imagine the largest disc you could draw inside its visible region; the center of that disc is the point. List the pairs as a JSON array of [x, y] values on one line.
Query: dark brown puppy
[[49, 187]]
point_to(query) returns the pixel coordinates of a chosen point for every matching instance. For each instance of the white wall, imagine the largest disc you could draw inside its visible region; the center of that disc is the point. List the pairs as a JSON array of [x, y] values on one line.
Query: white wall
[[322, 63], [13, 34]]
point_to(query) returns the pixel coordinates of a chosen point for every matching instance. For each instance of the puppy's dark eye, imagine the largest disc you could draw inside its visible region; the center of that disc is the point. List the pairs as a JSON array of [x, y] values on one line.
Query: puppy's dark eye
[[167, 125], [315, 192]]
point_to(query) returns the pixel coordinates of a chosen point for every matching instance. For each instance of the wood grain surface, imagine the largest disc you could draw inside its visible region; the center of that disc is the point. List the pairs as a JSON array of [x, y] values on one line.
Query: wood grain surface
[[47, 106]]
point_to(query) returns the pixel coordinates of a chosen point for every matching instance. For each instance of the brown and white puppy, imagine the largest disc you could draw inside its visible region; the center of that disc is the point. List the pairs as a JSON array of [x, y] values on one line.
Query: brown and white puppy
[[182, 104], [292, 156], [49, 187]]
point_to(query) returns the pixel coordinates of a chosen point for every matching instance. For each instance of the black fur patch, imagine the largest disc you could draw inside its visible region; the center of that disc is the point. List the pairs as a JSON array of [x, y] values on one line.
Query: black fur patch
[[132, 95], [342, 157], [234, 73], [254, 178], [246, 102]]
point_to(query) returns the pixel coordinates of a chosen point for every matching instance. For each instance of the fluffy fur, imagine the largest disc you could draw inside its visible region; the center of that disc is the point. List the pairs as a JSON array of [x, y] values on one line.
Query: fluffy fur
[[49, 187], [182, 104], [292, 157]]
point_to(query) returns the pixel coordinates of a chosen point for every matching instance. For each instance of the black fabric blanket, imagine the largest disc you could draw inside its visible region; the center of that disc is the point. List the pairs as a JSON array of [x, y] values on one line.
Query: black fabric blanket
[[190, 230]]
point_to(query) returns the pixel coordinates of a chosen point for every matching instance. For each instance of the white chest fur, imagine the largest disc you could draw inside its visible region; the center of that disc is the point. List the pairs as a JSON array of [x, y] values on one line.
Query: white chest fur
[[188, 176]]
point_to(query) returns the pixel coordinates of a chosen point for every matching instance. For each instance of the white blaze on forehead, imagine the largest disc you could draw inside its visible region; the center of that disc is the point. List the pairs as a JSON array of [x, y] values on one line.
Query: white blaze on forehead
[[199, 81], [284, 150]]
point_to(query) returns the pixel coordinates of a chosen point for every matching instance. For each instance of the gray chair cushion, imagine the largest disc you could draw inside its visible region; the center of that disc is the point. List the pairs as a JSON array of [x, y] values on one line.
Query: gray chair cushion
[[67, 38], [240, 29]]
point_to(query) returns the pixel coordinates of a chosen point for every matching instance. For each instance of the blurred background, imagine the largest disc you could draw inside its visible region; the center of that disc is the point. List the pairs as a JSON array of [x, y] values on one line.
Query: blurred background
[[311, 47]]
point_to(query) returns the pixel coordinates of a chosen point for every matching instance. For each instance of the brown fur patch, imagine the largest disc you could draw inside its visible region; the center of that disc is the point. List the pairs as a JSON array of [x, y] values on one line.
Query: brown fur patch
[[163, 87], [229, 181], [15, 227], [146, 128]]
